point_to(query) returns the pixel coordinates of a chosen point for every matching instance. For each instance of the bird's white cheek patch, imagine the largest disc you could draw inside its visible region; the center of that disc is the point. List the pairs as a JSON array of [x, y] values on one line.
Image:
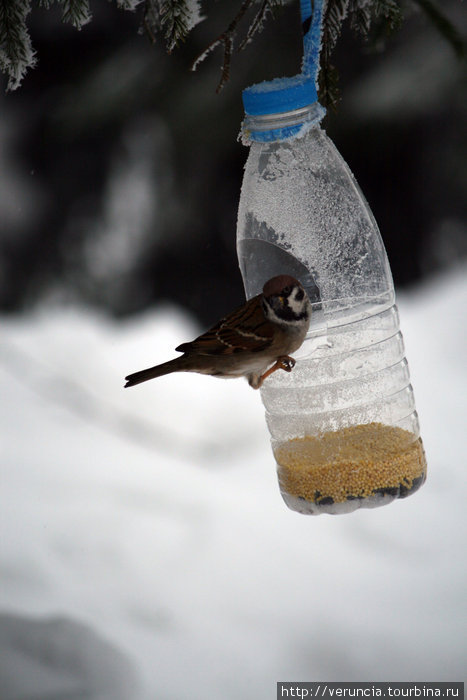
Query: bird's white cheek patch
[[296, 306]]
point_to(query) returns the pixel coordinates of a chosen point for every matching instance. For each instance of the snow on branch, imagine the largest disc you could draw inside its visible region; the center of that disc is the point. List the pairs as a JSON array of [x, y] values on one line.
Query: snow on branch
[[16, 52], [174, 20], [227, 38]]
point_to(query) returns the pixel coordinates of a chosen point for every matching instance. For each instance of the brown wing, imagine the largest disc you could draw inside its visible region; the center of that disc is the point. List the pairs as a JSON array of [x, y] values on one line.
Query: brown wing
[[244, 330]]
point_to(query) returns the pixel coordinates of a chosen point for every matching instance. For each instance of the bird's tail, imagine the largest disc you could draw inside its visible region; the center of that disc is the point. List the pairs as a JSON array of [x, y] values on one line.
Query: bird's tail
[[152, 372]]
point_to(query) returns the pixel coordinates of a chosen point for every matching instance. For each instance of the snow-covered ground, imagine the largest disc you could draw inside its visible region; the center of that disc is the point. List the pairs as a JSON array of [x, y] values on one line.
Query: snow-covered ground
[[149, 522]]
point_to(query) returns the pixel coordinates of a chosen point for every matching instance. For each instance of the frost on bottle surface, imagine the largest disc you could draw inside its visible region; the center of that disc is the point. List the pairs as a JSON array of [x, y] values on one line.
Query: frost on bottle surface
[[343, 424]]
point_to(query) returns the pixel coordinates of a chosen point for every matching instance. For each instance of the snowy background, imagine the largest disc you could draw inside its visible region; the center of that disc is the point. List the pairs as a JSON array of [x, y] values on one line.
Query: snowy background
[[146, 552]]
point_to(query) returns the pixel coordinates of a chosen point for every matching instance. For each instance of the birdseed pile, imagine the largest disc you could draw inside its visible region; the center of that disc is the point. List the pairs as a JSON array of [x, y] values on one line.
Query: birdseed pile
[[358, 466]]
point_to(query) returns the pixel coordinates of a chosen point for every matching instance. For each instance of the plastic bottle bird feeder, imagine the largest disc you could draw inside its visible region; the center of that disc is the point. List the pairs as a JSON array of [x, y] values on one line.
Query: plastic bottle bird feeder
[[344, 429]]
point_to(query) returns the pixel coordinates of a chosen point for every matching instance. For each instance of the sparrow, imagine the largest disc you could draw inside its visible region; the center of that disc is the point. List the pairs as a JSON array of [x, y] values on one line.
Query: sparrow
[[253, 341]]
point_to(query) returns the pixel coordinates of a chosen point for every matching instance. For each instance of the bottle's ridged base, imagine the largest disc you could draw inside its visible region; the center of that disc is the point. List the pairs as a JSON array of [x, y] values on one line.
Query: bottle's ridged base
[[363, 466], [301, 505]]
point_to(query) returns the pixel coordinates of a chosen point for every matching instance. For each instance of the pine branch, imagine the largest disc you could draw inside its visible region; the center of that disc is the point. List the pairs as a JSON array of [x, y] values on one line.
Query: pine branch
[[129, 5], [363, 16], [174, 19], [16, 52], [151, 20], [256, 26], [227, 40], [175, 22], [391, 12], [360, 18], [333, 17], [75, 12], [328, 87]]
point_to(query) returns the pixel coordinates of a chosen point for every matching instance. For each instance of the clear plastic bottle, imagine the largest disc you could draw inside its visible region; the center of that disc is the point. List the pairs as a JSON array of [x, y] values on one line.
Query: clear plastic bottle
[[344, 429]]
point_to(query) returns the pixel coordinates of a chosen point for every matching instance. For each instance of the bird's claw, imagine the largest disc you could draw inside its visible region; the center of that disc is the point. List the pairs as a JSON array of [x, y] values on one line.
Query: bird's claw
[[286, 363]]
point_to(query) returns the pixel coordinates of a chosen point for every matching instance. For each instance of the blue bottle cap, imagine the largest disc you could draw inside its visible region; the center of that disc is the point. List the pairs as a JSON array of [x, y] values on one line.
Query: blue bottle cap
[[279, 95], [280, 109]]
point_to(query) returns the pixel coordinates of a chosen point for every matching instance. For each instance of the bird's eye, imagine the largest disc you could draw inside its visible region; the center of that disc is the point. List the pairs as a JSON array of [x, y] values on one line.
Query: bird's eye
[[286, 291], [299, 295]]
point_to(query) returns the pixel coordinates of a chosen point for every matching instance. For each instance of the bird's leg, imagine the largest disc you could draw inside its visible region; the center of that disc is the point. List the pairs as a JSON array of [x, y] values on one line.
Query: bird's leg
[[285, 362]]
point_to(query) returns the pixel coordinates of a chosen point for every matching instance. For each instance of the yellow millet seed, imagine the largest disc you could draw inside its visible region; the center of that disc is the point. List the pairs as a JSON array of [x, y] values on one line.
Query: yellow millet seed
[[355, 462]]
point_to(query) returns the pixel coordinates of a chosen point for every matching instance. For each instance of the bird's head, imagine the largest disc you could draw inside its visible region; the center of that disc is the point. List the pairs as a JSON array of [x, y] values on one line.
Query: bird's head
[[285, 300]]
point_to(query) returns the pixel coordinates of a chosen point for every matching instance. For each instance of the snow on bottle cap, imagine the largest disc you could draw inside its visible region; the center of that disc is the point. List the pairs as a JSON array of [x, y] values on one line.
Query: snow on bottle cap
[[279, 95], [280, 109]]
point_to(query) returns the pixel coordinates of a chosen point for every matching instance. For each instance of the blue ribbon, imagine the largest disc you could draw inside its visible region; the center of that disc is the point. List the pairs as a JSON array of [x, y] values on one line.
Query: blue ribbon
[[312, 15]]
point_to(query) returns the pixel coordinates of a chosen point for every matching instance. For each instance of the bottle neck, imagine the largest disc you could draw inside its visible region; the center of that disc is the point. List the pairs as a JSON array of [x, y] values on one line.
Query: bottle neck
[[281, 126]]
